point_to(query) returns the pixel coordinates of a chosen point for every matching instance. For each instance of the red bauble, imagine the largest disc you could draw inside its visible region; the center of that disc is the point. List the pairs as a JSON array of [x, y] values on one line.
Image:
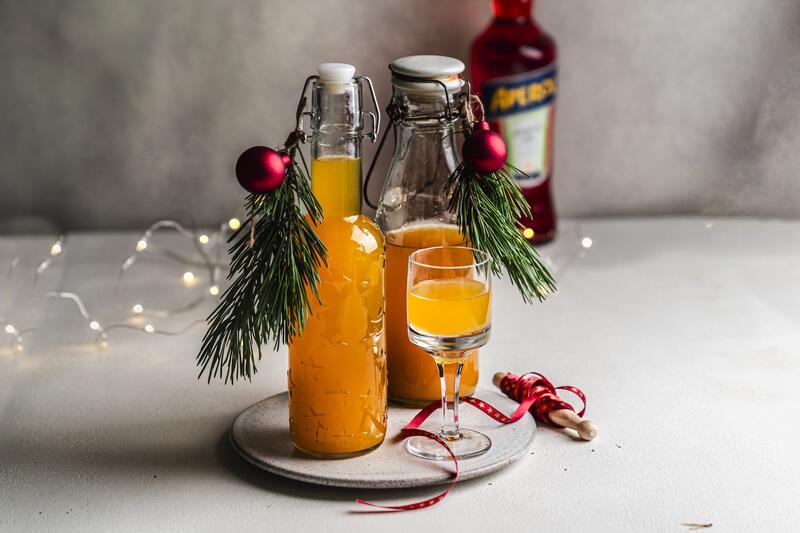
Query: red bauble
[[287, 159], [260, 170], [484, 150]]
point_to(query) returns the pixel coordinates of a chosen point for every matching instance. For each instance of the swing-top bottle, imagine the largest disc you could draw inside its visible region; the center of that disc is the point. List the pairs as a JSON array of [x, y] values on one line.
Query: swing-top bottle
[[337, 366]]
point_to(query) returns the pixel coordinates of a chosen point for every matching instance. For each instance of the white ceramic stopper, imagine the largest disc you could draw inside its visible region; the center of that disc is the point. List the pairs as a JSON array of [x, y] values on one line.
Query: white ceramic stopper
[[335, 76], [441, 68]]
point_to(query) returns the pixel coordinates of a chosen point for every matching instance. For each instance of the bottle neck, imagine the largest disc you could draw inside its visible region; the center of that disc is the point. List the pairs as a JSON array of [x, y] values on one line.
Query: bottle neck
[[427, 110], [512, 10], [425, 127], [425, 156], [336, 184], [336, 149]]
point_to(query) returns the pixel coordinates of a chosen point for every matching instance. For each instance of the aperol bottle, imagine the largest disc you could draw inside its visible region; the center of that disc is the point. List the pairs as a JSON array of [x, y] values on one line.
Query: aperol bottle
[[514, 69]]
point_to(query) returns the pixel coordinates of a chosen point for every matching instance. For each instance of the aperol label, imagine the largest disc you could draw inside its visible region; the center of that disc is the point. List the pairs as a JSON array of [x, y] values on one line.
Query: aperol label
[[522, 109]]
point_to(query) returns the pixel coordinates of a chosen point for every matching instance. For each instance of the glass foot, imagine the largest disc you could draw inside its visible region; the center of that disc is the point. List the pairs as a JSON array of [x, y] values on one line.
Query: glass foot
[[471, 444]]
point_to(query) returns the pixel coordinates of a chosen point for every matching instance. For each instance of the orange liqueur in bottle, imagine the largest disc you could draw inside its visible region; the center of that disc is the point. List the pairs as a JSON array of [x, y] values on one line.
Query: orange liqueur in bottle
[[337, 367], [413, 375], [413, 212]]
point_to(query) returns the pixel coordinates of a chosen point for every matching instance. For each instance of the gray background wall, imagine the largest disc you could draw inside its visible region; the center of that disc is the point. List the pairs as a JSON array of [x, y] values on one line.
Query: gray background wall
[[114, 113]]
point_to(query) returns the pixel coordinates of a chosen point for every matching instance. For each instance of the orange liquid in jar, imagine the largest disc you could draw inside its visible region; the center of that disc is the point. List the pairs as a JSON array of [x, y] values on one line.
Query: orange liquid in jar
[[337, 367], [413, 377]]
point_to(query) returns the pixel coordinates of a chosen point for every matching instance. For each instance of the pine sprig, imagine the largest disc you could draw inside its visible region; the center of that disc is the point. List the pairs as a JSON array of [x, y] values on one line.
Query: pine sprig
[[487, 209], [275, 258]]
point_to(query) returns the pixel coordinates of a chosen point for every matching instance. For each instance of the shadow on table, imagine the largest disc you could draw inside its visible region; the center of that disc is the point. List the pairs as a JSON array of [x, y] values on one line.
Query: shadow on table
[[262, 479]]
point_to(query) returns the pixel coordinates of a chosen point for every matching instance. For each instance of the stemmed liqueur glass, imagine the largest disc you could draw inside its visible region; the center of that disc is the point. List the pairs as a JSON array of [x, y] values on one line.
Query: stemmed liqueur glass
[[449, 294]]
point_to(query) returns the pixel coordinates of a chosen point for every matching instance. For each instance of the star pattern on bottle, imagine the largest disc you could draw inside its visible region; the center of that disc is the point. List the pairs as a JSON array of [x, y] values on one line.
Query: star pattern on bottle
[[320, 430]]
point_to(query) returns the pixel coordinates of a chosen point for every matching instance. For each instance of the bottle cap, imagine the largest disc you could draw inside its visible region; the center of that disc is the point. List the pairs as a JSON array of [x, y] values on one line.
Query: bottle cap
[[427, 67], [335, 76]]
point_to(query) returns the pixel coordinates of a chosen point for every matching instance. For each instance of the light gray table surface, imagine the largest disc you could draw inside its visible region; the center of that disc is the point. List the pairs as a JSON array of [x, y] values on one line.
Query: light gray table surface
[[684, 334]]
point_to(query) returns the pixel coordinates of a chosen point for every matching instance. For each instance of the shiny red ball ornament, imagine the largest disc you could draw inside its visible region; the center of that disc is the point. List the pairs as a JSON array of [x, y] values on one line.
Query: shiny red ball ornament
[[484, 150], [260, 170]]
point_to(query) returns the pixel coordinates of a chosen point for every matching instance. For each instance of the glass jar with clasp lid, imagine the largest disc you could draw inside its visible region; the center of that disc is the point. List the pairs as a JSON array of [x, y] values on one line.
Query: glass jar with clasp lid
[[428, 95]]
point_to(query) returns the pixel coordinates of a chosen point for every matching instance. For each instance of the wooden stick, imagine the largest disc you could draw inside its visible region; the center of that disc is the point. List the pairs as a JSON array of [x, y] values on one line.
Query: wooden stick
[[562, 417], [569, 419]]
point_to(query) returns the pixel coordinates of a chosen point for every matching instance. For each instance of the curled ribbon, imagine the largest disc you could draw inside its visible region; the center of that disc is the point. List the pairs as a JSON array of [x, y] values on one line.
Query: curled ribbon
[[533, 385], [532, 390]]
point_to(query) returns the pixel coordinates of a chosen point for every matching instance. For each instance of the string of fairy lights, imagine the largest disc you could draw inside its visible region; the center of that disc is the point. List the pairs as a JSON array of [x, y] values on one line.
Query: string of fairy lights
[[101, 331], [6, 326], [209, 248]]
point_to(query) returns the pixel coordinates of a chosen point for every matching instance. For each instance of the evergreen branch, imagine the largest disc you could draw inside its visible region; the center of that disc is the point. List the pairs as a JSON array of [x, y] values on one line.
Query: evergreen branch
[[487, 209], [275, 261]]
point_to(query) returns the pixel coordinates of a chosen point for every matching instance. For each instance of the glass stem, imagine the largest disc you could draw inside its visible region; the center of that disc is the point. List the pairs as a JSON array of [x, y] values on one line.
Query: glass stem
[[450, 408]]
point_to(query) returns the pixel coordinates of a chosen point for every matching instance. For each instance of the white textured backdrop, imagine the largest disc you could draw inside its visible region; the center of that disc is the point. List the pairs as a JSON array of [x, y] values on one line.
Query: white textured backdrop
[[114, 113]]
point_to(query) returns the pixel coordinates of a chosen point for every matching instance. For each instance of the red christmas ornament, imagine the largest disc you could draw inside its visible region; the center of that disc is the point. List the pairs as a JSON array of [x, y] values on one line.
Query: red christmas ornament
[[260, 169], [484, 150]]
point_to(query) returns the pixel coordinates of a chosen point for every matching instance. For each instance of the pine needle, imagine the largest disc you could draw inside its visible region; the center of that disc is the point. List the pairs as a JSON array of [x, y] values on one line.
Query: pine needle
[[273, 275], [487, 209]]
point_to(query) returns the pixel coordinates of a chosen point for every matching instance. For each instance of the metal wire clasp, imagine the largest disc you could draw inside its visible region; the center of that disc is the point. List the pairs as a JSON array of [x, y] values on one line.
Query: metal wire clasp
[[454, 109], [376, 116], [302, 112]]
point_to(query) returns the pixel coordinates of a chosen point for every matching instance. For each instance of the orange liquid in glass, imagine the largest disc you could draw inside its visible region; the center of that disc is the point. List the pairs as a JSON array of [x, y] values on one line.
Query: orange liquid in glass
[[448, 307], [337, 367], [413, 377]]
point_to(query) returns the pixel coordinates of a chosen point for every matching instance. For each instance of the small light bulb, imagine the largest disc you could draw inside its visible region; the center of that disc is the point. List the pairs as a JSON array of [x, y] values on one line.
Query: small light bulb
[[10, 329], [234, 223], [203, 239], [102, 344], [137, 309], [709, 225], [55, 249], [528, 233], [188, 277], [141, 246], [149, 328], [17, 347], [214, 290], [95, 325], [586, 242]]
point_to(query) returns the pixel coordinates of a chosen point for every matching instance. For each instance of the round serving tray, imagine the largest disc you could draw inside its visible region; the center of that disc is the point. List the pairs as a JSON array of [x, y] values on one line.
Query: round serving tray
[[260, 434]]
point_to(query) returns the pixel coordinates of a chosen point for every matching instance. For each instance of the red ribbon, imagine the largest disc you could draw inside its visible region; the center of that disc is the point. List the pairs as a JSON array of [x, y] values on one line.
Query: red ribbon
[[532, 390], [533, 385]]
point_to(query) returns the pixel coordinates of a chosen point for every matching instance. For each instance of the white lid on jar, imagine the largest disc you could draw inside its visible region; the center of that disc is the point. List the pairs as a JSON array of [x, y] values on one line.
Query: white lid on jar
[[335, 76], [427, 67]]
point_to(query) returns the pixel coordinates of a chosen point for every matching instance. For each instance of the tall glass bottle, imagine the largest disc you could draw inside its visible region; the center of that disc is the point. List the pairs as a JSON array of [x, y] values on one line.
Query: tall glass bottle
[[413, 209], [337, 367], [514, 68]]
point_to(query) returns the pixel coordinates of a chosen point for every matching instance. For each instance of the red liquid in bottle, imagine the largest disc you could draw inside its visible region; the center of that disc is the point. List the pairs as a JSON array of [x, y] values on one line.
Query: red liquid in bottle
[[514, 70]]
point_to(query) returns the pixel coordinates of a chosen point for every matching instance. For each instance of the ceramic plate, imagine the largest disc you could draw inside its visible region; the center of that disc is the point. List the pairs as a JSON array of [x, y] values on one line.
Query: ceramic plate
[[261, 435]]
